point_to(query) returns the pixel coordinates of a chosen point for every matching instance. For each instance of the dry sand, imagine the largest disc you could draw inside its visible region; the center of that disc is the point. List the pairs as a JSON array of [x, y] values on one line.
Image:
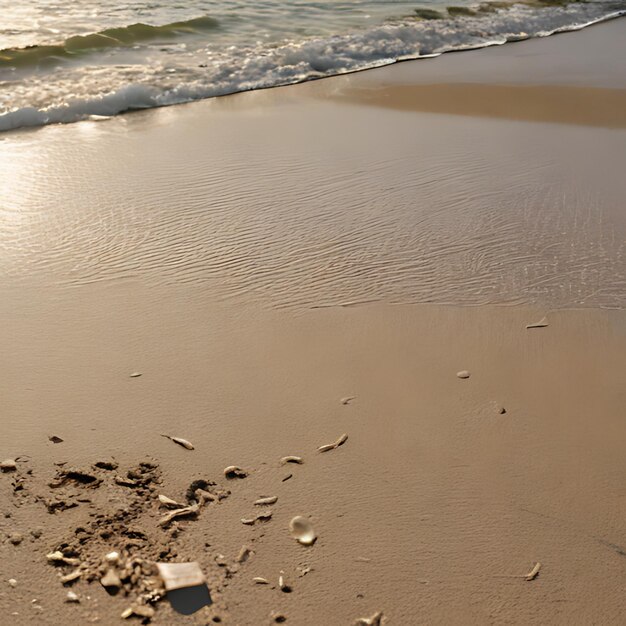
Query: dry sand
[[220, 250]]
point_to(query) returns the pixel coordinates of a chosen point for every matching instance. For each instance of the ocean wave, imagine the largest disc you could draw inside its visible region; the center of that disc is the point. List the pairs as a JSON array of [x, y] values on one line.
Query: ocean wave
[[255, 67], [123, 37]]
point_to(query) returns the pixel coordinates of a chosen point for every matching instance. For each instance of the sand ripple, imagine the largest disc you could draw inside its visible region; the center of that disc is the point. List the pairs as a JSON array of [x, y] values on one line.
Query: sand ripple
[[316, 205]]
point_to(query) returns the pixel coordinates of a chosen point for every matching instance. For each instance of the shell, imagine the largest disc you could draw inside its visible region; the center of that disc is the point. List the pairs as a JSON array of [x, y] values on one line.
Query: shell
[[267, 500], [375, 620], [261, 581], [186, 510], [165, 501], [534, 572], [261, 517], [135, 375], [71, 577], [59, 557], [283, 585], [336, 444], [542, 323], [463, 374], [244, 554], [347, 400], [232, 471], [302, 530], [292, 459], [71, 597], [180, 441]]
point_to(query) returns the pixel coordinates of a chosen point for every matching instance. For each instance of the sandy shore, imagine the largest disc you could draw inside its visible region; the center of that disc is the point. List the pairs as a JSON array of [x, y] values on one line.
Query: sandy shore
[[260, 259]]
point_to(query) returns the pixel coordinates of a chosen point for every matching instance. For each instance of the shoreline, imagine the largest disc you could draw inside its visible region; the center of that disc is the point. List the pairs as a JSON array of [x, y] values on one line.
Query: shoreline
[[99, 108]]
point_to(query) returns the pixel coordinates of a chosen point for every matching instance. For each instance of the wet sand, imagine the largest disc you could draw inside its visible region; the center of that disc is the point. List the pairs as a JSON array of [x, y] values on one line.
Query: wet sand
[[290, 252]]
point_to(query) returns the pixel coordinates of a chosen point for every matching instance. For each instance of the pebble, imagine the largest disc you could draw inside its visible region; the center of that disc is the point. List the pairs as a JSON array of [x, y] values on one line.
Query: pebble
[[71, 597], [8, 465], [36, 532], [16, 538], [302, 530], [463, 374], [12, 582]]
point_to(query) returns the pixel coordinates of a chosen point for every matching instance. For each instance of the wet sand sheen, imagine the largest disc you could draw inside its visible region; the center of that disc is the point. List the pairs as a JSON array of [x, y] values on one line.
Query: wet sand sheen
[[560, 104]]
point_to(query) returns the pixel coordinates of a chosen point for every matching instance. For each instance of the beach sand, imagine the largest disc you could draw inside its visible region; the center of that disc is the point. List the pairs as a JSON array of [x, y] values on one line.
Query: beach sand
[[287, 266]]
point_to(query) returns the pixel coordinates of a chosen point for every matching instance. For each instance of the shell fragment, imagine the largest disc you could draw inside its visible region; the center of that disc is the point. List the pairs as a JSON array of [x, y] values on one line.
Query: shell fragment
[[184, 512], [292, 459], [180, 441], [233, 471], [336, 444]]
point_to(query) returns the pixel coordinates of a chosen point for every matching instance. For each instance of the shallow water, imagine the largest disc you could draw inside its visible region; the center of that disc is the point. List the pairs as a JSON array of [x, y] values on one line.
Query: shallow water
[[63, 61]]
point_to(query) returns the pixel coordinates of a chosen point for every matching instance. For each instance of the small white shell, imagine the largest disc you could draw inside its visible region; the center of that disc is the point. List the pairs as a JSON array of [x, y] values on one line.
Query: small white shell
[[463, 374], [233, 471], [302, 530]]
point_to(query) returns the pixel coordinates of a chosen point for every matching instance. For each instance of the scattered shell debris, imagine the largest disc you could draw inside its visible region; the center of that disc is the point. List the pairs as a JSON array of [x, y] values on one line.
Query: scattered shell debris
[[261, 517], [292, 459], [542, 323], [266, 500], [302, 530], [534, 572], [376, 620], [8, 465], [336, 444], [184, 512], [233, 471], [463, 374], [180, 441]]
